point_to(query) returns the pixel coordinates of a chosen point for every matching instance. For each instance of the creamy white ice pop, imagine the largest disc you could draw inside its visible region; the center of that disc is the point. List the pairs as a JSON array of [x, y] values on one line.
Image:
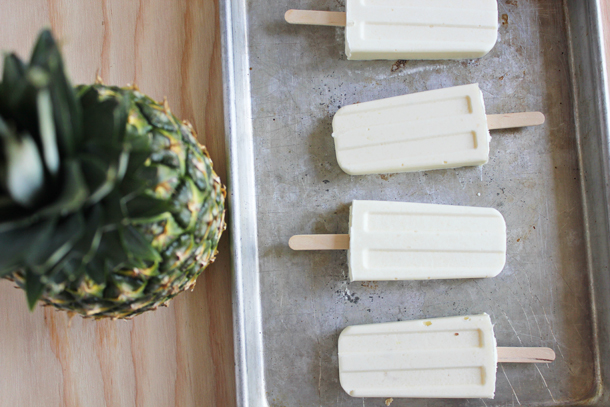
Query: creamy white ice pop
[[411, 29], [443, 128], [444, 357], [454, 357], [413, 241], [416, 29]]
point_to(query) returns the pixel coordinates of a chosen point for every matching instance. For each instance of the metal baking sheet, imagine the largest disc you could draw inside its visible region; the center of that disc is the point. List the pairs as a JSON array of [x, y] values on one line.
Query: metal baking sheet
[[282, 86]]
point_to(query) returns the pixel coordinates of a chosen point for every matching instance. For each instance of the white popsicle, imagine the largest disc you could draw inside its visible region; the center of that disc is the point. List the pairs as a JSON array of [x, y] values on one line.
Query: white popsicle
[[453, 357], [413, 241], [411, 29], [443, 128]]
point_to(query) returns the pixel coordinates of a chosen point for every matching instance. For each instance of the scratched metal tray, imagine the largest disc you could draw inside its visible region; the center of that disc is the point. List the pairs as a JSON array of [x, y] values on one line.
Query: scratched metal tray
[[282, 86]]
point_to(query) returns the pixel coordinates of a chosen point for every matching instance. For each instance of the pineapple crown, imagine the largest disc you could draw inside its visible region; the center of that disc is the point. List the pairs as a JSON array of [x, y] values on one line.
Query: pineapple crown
[[66, 190]]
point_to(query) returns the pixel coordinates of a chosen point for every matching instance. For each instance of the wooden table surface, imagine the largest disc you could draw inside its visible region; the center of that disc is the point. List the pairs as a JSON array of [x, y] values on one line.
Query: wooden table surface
[[176, 356]]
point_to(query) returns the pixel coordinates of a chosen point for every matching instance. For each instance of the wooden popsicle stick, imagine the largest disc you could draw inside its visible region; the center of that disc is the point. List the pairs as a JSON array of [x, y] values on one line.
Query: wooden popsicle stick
[[313, 17], [319, 242], [510, 120], [525, 355]]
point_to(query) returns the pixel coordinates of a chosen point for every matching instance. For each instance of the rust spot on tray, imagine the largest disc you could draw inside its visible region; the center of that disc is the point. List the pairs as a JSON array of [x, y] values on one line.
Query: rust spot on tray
[[370, 285], [398, 65]]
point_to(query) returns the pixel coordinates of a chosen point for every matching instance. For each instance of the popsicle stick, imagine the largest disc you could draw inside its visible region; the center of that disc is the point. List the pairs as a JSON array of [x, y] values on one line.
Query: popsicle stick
[[525, 355], [312, 17], [319, 242], [510, 120]]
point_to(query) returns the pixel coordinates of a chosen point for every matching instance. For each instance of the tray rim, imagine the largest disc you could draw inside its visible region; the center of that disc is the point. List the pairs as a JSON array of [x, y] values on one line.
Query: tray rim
[[595, 184], [241, 198]]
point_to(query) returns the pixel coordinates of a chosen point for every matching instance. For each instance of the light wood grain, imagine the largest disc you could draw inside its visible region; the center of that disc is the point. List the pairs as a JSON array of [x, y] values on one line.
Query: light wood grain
[[319, 242], [314, 17], [512, 120], [525, 355], [176, 356]]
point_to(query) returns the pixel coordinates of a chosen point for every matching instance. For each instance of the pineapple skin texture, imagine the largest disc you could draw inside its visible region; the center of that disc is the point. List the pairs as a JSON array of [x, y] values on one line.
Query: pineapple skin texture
[[186, 237]]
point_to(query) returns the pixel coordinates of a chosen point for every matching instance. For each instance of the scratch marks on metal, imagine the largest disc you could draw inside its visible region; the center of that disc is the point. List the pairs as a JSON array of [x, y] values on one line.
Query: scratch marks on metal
[[545, 384], [514, 330], [460, 179], [529, 326], [320, 369], [550, 328], [510, 384], [409, 71]]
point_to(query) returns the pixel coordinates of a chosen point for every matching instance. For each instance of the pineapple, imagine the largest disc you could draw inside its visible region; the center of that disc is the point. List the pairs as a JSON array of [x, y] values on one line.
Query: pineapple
[[108, 205]]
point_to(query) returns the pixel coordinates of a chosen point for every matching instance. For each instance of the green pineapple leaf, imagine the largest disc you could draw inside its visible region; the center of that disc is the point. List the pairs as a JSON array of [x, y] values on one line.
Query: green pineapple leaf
[[14, 70], [47, 132], [34, 288], [23, 170], [74, 193], [95, 270], [137, 246], [46, 254], [87, 246], [67, 111], [13, 77], [111, 249], [105, 117], [15, 243], [144, 207], [99, 175]]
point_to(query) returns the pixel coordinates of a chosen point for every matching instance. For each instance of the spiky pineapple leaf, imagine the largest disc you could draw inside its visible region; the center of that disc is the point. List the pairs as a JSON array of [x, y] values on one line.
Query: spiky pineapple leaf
[[95, 270], [114, 213], [9, 210], [24, 170], [144, 206], [18, 103], [105, 117], [13, 76], [137, 246], [33, 288], [73, 194], [89, 243], [15, 243], [47, 131], [67, 113], [137, 160], [100, 176], [14, 69], [131, 184], [67, 269], [82, 255], [66, 233], [138, 176], [111, 249]]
